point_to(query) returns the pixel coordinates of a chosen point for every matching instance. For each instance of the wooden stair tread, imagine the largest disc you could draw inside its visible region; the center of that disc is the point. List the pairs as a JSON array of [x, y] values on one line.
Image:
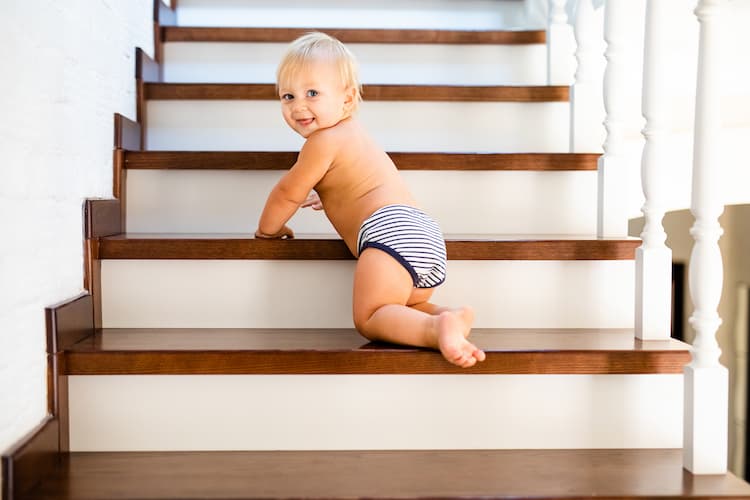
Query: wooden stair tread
[[498, 474], [330, 247], [372, 92], [361, 35], [344, 351], [282, 160]]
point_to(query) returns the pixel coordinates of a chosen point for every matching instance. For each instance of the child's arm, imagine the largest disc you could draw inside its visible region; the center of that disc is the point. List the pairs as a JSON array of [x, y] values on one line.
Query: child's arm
[[292, 190], [313, 201]]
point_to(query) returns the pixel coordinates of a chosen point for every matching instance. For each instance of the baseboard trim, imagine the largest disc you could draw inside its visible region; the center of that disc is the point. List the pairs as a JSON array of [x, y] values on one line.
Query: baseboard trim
[[34, 457]]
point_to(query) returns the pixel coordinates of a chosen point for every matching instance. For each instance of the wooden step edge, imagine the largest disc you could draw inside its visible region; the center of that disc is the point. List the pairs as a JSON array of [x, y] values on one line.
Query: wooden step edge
[[405, 474], [33, 457], [432, 93], [368, 362], [283, 160], [134, 246], [345, 352], [367, 35]]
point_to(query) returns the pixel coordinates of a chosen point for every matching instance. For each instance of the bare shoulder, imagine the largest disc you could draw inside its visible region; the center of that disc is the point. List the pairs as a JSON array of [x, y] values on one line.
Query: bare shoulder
[[342, 133]]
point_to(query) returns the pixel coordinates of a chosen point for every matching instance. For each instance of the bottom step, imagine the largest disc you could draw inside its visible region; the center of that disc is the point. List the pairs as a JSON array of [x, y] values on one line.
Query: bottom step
[[384, 474]]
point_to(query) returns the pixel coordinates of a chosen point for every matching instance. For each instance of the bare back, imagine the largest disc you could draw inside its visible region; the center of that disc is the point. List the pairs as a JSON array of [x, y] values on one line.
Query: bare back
[[360, 179]]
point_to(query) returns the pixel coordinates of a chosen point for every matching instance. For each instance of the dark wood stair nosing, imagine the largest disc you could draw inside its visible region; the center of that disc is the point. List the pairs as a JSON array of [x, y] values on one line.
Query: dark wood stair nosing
[[429, 93], [359, 35], [283, 160], [369, 362], [344, 352], [134, 246]]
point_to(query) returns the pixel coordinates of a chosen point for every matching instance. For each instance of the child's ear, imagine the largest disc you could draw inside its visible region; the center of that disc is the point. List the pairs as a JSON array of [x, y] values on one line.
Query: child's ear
[[349, 97]]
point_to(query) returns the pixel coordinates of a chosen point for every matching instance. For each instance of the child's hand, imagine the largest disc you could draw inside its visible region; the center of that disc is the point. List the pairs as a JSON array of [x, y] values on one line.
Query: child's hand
[[313, 201], [285, 233]]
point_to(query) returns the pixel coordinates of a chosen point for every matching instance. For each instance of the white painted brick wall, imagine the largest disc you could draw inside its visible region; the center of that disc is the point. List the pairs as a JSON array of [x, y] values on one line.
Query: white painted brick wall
[[67, 67]]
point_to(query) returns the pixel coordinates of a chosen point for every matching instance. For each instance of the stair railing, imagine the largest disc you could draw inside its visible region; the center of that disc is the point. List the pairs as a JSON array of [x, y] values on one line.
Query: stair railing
[[623, 32], [587, 113], [706, 380], [560, 45], [653, 259]]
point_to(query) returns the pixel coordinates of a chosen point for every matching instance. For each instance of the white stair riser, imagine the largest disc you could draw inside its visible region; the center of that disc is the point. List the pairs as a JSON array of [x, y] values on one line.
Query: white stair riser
[[427, 14], [317, 294], [397, 126], [462, 202], [379, 63], [338, 412]]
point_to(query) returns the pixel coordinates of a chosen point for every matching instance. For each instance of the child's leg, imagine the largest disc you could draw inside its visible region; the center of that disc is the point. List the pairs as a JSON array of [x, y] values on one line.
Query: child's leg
[[382, 290], [420, 300]]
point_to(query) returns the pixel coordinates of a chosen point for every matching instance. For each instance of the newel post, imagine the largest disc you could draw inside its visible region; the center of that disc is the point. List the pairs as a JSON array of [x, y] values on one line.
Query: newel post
[[653, 259], [587, 104], [623, 22], [706, 380], [560, 45]]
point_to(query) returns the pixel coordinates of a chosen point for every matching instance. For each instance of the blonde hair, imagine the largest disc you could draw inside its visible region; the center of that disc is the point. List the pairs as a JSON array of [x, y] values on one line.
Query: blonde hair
[[318, 46]]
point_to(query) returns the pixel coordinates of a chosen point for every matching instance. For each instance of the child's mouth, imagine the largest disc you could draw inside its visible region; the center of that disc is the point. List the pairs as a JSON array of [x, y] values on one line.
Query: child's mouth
[[305, 122]]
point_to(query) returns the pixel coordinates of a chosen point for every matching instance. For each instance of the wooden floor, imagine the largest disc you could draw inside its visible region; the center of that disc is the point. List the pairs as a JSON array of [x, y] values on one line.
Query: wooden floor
[[541, 474]]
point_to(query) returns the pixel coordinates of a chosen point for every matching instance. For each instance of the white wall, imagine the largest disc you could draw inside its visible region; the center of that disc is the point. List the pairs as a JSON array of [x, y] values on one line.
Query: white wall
[[67, 67]]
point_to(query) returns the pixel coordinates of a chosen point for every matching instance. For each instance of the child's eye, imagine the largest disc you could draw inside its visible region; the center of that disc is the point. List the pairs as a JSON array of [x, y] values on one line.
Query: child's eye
[[312, 93], [287, 97]]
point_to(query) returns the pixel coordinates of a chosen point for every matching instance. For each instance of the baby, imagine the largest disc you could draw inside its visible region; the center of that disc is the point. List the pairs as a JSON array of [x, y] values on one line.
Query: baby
[[400, 250]]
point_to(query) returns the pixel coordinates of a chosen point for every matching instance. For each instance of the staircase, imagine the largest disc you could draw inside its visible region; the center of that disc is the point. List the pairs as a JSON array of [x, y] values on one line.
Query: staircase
[[208, 364]]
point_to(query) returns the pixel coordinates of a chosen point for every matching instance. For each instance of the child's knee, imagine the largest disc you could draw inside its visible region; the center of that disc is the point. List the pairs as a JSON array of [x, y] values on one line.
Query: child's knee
[[361, 317]]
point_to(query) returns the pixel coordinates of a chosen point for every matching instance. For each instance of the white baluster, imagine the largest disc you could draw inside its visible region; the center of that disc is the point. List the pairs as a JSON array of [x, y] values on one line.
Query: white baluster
[[653, 259], [737, 450], [560, 45], [587, 103], [706, 380], [623, 23]]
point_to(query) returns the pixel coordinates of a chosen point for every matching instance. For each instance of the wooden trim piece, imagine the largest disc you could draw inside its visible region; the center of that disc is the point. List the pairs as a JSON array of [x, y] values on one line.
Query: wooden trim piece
[[164, 15], [416, 36], [496, 161], [69, 322], [127, 133], [282, 160], [120, 184], [343, 351], [141, 109], [33, 458], [209, 247], [146, 68], [373, 362], [433, 93], [102, 218], [62, 409], [93, 277], [584, 249]]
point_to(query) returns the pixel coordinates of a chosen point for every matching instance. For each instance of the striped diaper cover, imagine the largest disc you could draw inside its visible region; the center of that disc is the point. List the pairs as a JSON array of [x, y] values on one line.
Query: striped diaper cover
[[411, 237]]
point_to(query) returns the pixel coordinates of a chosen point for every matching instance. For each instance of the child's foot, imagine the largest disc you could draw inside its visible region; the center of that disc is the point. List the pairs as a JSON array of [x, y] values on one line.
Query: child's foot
[[453, 328]]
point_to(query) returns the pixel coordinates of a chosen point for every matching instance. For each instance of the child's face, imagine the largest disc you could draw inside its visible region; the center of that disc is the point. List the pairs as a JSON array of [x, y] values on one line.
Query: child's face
[[315, 98]]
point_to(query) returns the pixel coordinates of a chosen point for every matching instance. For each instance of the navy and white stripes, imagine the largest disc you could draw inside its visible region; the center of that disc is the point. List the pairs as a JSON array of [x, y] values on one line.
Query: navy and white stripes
[[411, 237]]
